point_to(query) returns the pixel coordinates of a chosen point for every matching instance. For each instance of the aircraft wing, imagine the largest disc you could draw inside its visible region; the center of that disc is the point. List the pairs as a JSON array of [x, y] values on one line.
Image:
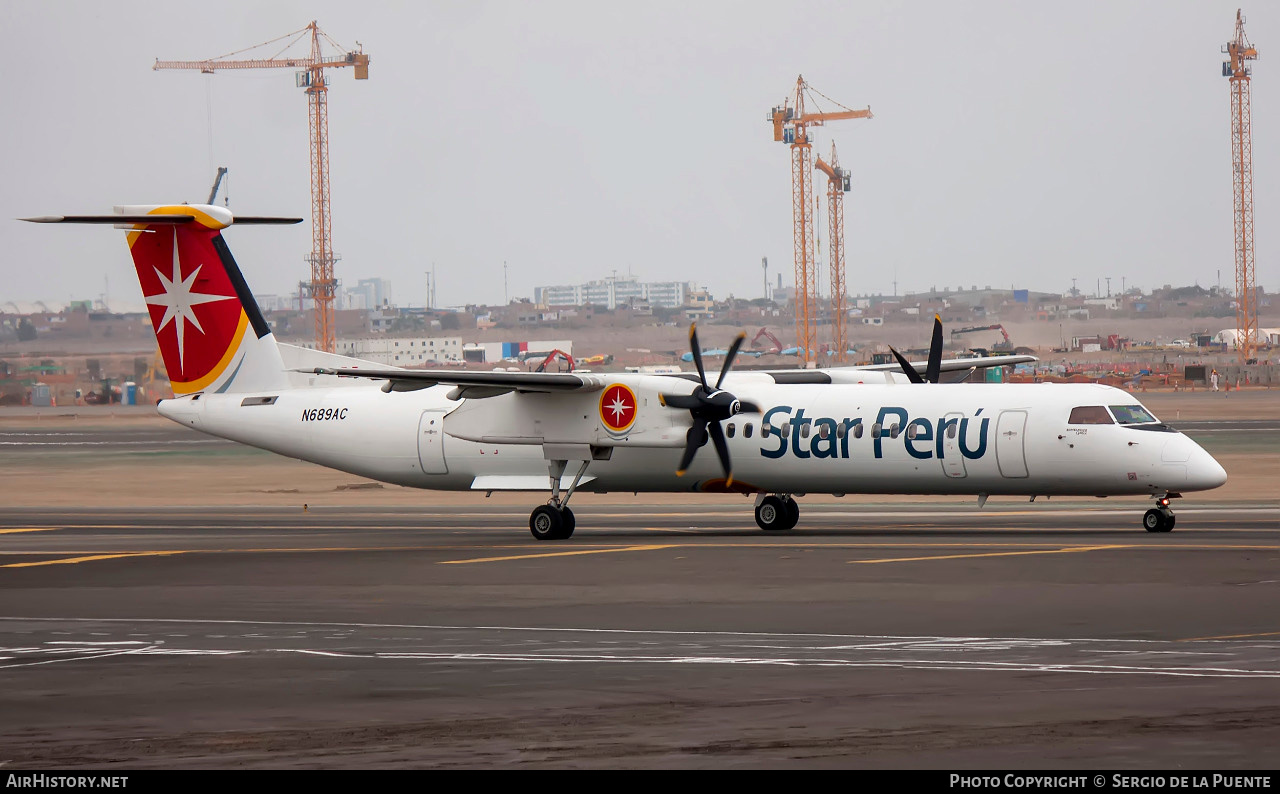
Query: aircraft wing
[[469, 383], [954, 364]]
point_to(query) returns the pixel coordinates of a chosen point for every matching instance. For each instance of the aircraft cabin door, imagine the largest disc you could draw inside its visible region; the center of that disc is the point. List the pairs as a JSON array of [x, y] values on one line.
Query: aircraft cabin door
[[1011, 431], [952, 460], [431, 443]]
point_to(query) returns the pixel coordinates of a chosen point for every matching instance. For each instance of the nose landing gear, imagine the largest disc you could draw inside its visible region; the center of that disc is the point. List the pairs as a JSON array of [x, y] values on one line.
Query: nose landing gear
[[1159, 518]]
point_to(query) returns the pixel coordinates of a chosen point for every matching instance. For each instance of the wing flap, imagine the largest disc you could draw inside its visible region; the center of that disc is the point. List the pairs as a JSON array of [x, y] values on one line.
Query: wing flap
[[473, 384]]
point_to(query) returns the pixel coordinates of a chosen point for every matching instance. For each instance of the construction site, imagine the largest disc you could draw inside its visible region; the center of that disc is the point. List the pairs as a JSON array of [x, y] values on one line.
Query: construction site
[[90, 355]]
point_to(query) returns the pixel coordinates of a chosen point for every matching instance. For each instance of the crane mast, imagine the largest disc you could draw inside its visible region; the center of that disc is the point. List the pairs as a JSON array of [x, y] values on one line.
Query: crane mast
[[323, 286], [837, 185], [217, 182], [791, 123], [1239, 50]]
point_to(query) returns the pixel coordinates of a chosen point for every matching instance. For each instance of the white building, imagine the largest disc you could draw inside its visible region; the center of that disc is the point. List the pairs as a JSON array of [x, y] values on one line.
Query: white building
[[615, 292], [403, 352]]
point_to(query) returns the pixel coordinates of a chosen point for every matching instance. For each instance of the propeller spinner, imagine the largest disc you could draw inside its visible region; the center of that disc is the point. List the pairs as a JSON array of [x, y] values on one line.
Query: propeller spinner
[[709, 407]]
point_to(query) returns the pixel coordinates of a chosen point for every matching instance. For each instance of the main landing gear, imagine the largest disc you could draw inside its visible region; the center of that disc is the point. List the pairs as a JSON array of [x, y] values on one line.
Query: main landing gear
[[554, 520], [776, 513], [1159, 518], [551, 522]]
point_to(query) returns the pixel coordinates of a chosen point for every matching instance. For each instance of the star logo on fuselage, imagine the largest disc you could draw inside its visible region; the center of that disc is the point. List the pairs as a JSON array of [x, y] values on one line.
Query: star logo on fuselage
[[179, 301], [618, 408]]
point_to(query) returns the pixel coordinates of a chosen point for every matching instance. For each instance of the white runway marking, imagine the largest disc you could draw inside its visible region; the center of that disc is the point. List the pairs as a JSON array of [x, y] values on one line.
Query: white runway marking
[[437, 645]]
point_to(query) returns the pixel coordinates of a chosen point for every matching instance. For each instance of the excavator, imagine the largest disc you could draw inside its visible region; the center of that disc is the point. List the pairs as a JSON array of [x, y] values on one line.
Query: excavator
[[1004, 345], [552, 356], [755, 341]]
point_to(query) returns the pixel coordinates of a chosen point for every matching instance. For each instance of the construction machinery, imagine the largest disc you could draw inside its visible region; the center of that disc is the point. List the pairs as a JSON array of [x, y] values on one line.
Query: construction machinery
[[323, 286], [217, 183], [837, 185], [791, 125], [1003, 345], [1239, 52], [552, 356], [764, 332]]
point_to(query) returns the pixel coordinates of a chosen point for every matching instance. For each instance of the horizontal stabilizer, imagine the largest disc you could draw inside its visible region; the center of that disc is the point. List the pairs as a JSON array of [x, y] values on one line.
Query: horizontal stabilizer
[[159, 218], [111, 219]]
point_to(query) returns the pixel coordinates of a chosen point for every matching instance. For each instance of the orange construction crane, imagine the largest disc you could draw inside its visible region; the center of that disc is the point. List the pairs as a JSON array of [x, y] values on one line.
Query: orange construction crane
[[1239, 50], [791, 123], [837, 186], [323, 285]]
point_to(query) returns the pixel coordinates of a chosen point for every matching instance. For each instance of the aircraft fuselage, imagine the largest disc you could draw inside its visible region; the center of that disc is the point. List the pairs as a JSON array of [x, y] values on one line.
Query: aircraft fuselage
[[843, 439]]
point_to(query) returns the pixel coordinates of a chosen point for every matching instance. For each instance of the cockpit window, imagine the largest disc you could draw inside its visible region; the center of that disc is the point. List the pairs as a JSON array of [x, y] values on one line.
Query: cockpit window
[[1089, 415], [1132, 414]]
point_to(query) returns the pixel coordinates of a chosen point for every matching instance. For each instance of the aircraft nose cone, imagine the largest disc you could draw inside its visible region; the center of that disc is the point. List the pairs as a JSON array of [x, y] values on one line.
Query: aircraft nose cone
[[1203, 472]]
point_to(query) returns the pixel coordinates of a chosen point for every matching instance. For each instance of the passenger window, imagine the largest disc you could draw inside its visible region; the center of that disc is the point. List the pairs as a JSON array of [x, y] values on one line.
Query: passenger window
[[875, 430], [911, 431], [1089, 415], [824, 431], [729, 430], [951, 430], [841, 429], [857, 430], [804, 431], [893, 430], [786, 430], [765, 429], [746, 431]]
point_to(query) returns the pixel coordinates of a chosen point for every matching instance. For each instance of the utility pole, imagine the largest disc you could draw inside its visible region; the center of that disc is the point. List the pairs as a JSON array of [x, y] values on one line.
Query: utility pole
[[505, 300], [1108, 286], [764, 264]]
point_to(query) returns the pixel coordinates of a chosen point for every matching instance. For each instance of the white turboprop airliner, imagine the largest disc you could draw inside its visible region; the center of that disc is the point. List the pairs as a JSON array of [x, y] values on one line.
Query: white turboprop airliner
[[864, 430]]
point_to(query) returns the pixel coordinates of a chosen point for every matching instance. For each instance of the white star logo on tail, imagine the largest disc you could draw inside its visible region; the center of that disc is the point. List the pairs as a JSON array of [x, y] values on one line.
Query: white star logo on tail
[[179, 301]]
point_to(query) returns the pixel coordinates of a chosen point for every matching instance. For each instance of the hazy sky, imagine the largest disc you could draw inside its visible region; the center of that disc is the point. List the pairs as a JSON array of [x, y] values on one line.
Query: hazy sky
[[1014, 143]]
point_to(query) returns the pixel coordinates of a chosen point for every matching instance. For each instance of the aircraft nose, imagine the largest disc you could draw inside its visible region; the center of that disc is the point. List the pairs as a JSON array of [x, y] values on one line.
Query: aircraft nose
[[1203, 472]]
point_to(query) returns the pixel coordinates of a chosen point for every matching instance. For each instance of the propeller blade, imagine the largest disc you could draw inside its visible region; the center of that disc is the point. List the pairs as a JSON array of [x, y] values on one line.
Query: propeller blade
[[697, 354], [934, 367], [728, 358], [695, 438], [907, 369], [722, 450], [749, 407], [680, 401]]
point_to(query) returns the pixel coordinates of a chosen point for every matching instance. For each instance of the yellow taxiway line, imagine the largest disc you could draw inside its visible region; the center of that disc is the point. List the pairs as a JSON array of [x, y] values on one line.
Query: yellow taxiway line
[[1232, 636], [554, 554], [91, 558], [989, 554]]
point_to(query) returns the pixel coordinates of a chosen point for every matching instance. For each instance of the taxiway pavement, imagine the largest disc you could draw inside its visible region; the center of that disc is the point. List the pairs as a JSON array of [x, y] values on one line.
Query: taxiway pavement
[[1054, 635]]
